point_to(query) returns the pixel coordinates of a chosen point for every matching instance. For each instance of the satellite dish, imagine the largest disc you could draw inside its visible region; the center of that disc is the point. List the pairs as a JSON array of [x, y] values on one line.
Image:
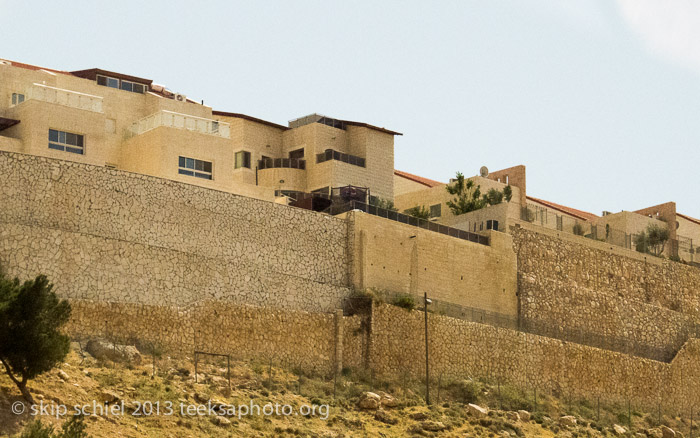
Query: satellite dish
[[484, 171]]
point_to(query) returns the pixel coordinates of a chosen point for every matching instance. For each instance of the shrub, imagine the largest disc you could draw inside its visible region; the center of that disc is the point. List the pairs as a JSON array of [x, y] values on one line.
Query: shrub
[[382, 203], [465, 391], [513, 399], [419, 212], [73, 428], [405, 301], [36, 429]]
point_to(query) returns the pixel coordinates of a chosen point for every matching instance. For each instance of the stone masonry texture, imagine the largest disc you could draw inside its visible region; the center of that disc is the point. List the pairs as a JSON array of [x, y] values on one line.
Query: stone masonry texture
[[149, 260], [107, 235]]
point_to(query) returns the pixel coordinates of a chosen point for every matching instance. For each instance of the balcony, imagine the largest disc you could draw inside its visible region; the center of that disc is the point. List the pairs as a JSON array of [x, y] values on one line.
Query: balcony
[[180, 121], [282, 163], [331, 154], [59, 96]]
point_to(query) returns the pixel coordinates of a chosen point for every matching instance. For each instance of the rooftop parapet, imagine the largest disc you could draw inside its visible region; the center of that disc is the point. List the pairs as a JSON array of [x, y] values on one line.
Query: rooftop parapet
[[180, 121], [60, 96]]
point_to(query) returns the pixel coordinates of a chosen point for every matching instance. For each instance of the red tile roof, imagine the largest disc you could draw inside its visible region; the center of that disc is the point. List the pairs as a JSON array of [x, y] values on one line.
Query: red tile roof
[[691, 219], [564, 209], [419, 179], [33, 67]]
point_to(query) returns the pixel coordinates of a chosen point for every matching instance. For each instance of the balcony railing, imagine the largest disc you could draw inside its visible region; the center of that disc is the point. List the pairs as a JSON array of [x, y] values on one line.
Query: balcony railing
[[286, 163], [330, 154], [180, 121], [69, 98]]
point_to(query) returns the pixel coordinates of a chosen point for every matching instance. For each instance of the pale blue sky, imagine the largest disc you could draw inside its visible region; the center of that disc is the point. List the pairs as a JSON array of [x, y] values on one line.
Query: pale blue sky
[[599, 99]]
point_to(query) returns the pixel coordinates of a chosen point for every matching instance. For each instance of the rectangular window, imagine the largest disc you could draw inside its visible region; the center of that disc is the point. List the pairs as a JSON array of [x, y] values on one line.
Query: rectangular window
[[66, 141], [132, 86], [436, 210], [297, 154], [121, 84], [17, 98], [107, 81], [196, 168], [242, 159]]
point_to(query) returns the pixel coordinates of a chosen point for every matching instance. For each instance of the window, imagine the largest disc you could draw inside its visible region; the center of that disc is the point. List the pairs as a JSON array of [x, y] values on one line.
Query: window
[[65, 141], [196, 168], [214, 127], [242, 159], [134, 87], [107, 82], [492, 225], [298, 154], [436, 210], [17, 98]]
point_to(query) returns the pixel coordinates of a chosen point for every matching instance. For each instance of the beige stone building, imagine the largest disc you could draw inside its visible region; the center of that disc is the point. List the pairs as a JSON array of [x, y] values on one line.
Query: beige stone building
[[620, 229], [130, 123]]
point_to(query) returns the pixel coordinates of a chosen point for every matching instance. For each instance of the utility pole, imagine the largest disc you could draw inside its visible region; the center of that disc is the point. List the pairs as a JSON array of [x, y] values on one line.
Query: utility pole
[[426, 301]]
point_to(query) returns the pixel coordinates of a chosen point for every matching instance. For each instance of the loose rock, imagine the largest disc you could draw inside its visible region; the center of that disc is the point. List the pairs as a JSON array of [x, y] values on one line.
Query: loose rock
[[567, 421], [619, 430], [369, 400], [477, 410]]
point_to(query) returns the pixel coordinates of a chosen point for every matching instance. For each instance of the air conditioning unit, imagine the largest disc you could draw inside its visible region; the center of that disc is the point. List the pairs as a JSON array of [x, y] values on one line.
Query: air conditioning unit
[[180, 97]]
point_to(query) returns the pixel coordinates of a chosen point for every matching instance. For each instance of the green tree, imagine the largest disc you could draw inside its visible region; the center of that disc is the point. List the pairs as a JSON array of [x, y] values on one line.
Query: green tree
[[508, 192], [652, 240], [467, 195], [493, 197], [383, 203], [420, 212], [31, 316]]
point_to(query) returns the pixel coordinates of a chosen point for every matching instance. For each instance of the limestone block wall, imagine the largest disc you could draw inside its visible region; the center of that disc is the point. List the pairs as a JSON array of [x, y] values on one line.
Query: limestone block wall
[[108, 235], [293, 339], [401, 258], [577, 285], [460, 349]]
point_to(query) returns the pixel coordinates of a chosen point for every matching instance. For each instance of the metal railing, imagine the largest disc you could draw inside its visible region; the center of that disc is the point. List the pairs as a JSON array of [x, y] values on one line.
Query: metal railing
[[180, 121], [69, 98], [282, 163], [331, 154], [681, 247], [452, 310], [409, 220]]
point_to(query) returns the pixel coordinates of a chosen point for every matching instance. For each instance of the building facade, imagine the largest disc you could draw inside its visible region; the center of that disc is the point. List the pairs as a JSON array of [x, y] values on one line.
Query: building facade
[[130, 123]]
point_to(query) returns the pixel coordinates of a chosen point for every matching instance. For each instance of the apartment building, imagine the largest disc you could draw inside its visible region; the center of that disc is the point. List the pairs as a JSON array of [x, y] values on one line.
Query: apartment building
[[620, 229], [130, 123]]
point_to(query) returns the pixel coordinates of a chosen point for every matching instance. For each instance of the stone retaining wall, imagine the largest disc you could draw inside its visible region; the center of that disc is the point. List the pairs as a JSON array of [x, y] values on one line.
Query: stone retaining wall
[[460, 349], [108, 235], [573, 285]]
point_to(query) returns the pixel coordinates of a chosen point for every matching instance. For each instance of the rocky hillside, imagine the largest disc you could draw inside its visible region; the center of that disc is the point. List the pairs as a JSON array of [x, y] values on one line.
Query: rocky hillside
[[124, 397]]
